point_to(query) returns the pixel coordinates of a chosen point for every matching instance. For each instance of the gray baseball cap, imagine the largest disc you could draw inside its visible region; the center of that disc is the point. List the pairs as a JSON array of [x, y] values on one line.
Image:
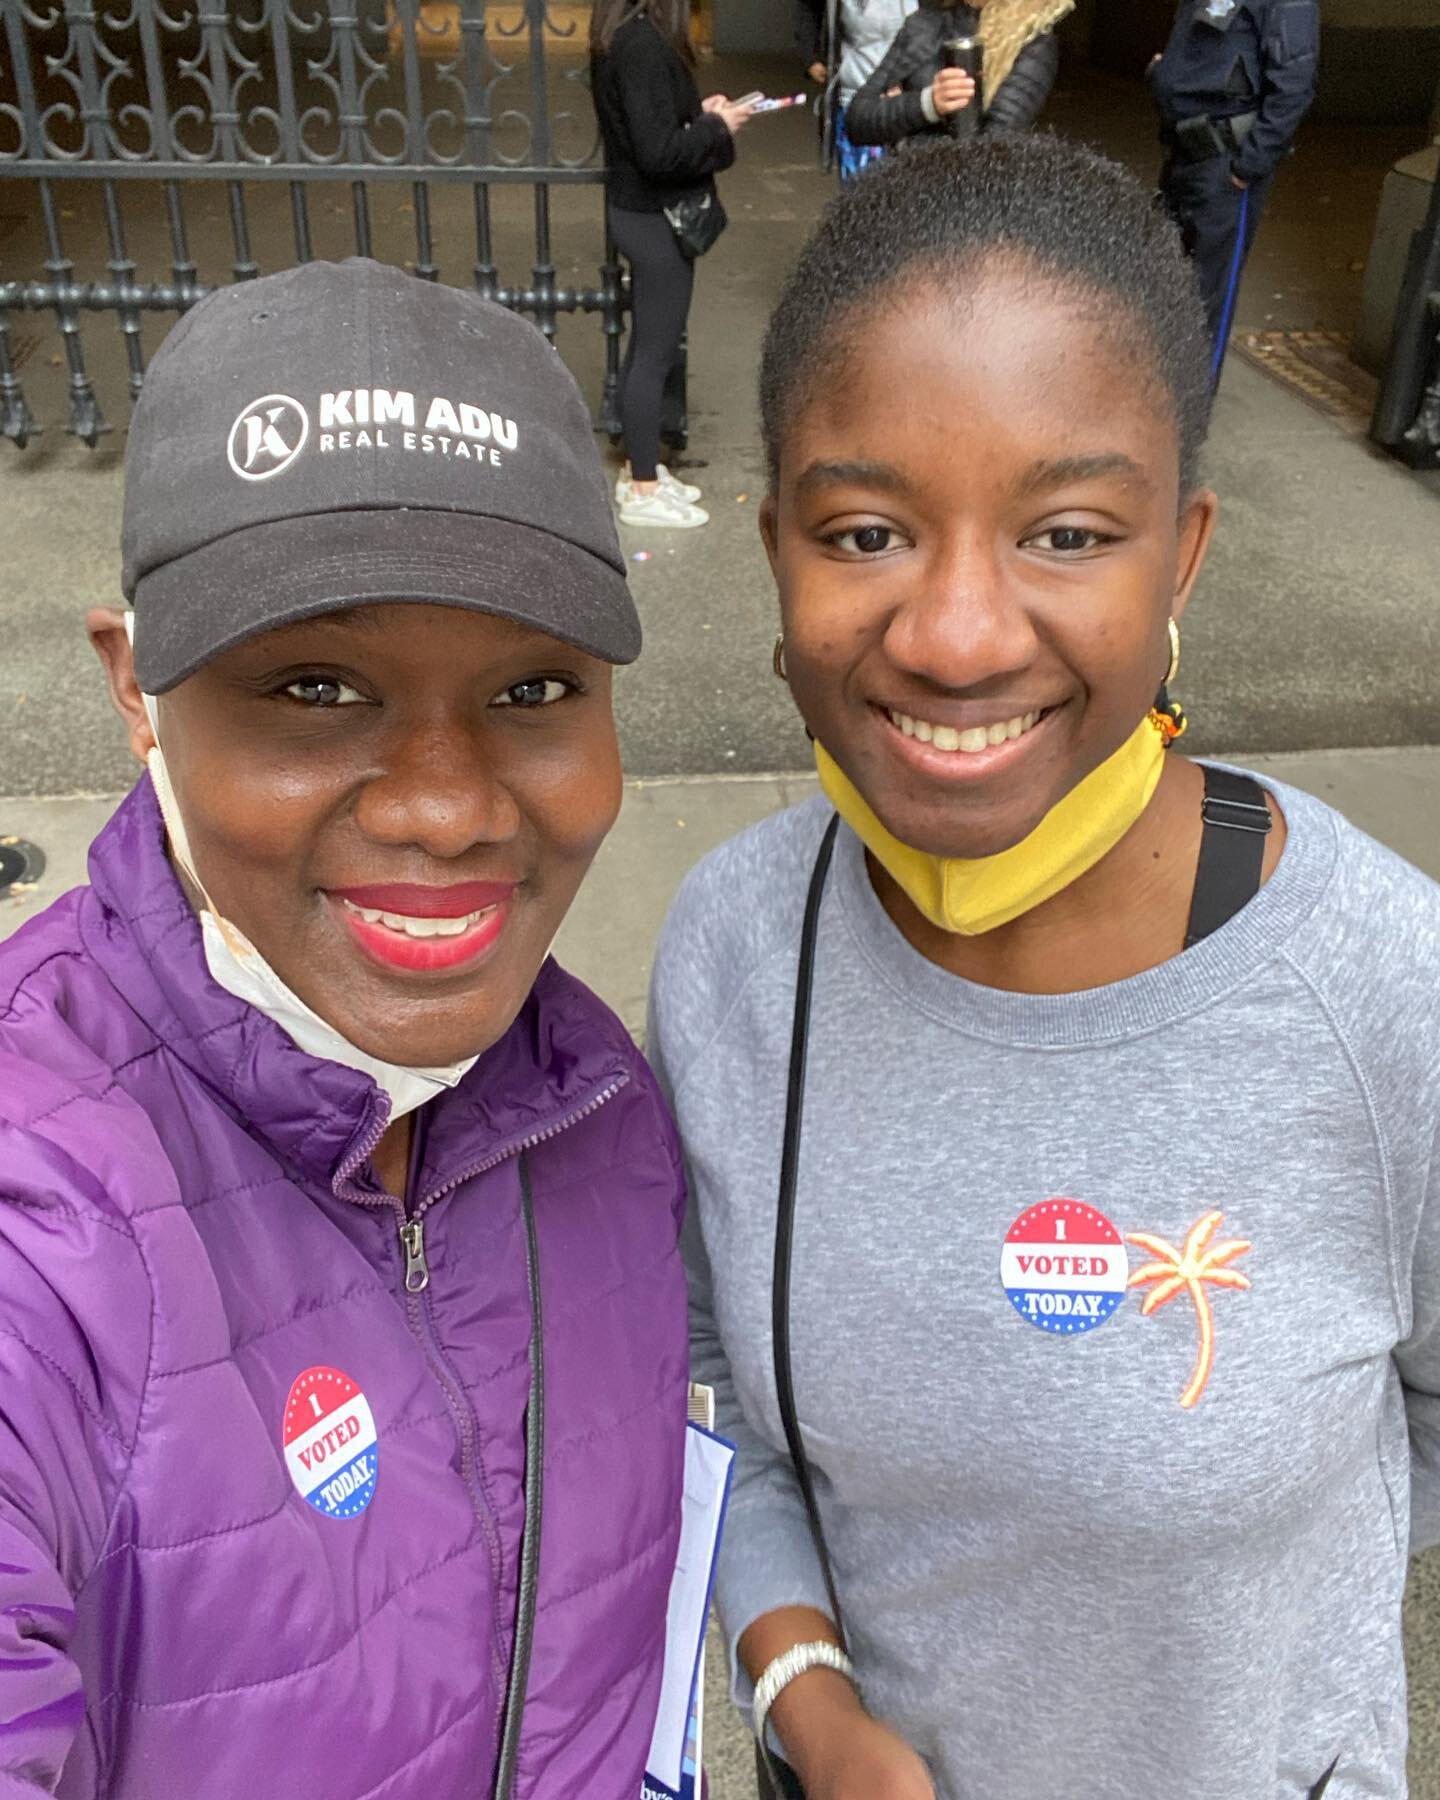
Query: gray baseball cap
[[344, 433]]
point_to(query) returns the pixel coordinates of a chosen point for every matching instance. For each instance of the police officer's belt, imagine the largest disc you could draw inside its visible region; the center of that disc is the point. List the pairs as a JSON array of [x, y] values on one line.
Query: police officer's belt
[[1200, 138]]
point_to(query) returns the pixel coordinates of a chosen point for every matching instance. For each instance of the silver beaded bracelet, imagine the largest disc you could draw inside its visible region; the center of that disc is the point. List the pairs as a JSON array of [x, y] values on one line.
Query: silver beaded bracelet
[[783, 1670]]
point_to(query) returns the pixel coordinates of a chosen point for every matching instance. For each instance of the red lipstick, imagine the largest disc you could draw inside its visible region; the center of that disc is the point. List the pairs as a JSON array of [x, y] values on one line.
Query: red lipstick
[[416, 900], [425, 929]]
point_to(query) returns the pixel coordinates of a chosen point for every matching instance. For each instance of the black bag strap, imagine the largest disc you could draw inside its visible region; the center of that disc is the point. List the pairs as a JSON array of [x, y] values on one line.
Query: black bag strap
[[529, 1583], [1236, 822], [1323, 1783], [785, 1211]]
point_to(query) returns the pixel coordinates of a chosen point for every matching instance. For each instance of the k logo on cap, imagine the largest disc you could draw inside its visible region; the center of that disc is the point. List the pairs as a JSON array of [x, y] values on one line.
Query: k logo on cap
[[432, 449], [267, 437]]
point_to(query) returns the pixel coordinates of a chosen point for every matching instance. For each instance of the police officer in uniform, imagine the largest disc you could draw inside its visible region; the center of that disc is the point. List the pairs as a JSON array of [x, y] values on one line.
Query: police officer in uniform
[[1232, 86]]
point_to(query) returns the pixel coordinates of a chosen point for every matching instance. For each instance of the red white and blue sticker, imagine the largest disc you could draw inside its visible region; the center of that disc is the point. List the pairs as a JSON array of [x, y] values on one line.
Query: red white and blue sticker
[[1064, 1267], [330, 1443]]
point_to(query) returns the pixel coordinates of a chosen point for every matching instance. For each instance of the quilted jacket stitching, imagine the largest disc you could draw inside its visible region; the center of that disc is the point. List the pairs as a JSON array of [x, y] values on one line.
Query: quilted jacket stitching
[[132, 1547], [642, 1278], [646, 1554], [55, 1203], [277, 1180], [424, 1750], [21, 987], [582, 1440], [367, 1285], [33, 1119], [273, 1681], [391, 1429], [98, 1420], [561, 1732]]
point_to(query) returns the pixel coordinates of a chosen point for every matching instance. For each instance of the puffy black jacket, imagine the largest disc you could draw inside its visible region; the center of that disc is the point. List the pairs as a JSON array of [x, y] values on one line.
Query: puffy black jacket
[[876, 117]]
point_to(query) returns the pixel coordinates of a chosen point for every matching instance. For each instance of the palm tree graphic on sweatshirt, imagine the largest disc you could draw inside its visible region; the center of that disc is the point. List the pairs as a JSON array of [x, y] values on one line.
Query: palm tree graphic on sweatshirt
[[1189, 1271]]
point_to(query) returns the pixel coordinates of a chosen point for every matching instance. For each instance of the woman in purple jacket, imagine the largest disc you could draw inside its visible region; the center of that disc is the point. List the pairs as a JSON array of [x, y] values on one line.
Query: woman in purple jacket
[[342, 1338]]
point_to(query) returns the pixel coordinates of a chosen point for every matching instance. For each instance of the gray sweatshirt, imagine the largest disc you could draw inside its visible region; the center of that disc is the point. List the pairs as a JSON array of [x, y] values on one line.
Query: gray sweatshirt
[[1058, 1580]]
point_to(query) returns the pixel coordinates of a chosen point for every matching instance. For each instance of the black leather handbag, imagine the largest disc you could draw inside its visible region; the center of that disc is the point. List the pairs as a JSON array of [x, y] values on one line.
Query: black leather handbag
[[697, 221]]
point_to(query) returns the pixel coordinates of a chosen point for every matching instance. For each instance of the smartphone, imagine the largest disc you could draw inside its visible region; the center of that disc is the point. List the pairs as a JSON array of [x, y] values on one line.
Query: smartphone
[[761, 103]]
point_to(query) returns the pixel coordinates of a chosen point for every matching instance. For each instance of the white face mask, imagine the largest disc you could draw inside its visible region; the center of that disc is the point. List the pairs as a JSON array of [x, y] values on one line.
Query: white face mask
[[238, 967]]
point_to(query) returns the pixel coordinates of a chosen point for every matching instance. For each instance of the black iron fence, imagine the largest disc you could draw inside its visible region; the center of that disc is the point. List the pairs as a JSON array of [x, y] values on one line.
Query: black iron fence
[[402, 103]]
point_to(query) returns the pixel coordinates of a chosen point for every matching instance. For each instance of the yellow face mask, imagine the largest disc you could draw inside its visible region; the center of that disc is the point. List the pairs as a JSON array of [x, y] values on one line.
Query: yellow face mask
[[971, 895]]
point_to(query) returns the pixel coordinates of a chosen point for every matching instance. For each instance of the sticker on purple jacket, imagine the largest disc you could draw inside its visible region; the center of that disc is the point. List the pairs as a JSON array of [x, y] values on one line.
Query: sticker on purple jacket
[[330, 1442]]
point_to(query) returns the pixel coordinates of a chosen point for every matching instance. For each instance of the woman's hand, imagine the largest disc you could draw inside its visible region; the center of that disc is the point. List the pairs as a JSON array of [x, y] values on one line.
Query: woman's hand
[[865, 1760], [835, 1747], [832, 1743], [952, 92], [713, 102], [734, 115]]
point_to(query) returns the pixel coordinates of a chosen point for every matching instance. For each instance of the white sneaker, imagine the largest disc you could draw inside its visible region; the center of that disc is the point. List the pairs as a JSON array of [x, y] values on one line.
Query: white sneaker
[[663, 508], [687, 490], [624, 486]]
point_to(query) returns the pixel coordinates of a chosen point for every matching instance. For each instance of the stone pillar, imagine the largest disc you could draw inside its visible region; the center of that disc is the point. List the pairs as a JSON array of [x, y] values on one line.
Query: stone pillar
[[1404, 204]]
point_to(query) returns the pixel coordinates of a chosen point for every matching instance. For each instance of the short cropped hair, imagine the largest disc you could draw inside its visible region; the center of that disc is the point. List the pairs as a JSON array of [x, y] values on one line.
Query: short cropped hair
[[1060, 211]]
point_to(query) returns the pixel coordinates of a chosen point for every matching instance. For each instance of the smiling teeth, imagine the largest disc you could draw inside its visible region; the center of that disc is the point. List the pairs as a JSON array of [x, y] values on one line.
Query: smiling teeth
[[420, 928], [976, 738]]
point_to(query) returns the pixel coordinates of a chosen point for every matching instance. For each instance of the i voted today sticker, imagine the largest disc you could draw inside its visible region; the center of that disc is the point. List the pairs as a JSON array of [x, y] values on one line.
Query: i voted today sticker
[[330, 1443], [1064, 1267]]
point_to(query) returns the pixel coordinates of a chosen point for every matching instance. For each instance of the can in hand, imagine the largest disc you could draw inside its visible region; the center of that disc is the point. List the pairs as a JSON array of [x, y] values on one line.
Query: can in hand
[[968, 55]]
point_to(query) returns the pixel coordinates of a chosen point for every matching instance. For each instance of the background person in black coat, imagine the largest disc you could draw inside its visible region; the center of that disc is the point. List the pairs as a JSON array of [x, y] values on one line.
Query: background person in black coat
[[912, 94], [662, 143]]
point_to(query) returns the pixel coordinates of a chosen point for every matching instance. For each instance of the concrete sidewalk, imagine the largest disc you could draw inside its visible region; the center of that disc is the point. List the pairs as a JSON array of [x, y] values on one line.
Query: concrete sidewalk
[[667, 825], [665, 828]]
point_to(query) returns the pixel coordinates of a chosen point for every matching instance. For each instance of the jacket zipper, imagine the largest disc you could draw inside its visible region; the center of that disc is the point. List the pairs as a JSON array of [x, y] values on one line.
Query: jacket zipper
[[412, 1243], [412, 1230], [416, 1279]]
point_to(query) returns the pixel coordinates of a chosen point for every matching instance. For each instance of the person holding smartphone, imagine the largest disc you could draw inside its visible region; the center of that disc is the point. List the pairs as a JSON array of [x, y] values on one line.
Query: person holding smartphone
[[914, 93], [663, 145]]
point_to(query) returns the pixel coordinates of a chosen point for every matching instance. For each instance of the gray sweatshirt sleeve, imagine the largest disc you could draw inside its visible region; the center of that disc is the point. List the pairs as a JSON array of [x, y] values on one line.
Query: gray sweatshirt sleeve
[[1418, 1360], [767, 1559]]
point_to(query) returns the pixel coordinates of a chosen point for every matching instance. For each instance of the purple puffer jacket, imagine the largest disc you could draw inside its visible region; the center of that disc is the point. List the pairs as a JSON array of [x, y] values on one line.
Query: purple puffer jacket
[[192, 1245]]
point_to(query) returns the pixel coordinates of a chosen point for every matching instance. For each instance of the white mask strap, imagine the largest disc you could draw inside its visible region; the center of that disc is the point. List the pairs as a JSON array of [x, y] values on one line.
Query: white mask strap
[[170, 807], [238, 967]]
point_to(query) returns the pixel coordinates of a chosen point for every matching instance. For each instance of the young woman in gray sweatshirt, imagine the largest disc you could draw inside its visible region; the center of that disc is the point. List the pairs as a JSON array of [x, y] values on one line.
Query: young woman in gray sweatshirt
[[1114, 1293]]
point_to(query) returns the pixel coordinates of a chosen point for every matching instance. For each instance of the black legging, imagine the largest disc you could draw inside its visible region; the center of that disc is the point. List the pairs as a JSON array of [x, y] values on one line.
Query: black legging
[[661, 281]]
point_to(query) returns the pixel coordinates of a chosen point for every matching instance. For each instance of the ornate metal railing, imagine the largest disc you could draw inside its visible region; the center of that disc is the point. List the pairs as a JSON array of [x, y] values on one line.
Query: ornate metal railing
[[146, 99]]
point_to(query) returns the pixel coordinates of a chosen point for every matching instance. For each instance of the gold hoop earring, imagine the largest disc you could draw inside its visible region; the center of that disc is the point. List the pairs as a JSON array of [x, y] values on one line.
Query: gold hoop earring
[[1167, 715], [1174, 668], [777, 658]]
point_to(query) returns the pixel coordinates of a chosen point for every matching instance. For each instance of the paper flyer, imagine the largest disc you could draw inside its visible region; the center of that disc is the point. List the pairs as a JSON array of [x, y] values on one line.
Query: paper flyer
[[673, 1767]]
